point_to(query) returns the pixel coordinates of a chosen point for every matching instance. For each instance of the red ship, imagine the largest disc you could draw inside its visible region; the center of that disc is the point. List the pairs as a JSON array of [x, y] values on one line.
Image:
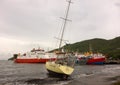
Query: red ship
[[96, 59], [35, 56]]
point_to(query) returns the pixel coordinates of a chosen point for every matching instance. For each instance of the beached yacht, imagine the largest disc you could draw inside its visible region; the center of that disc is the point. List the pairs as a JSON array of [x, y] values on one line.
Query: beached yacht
[[65, 66]]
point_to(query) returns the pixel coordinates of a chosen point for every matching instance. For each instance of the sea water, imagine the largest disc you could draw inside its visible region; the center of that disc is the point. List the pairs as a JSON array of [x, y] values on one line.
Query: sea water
[[36, 74]]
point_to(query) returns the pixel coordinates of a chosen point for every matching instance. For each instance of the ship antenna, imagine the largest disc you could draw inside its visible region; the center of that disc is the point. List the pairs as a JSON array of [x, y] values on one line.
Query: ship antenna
[[64, 24]]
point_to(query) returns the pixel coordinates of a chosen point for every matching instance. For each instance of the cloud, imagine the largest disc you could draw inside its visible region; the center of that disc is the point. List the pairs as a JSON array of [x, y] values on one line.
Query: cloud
[[100, 18], [25, 24]]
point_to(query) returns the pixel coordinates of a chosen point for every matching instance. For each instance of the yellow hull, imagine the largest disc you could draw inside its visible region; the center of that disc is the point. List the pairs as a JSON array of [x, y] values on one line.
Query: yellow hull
[[58, 68]]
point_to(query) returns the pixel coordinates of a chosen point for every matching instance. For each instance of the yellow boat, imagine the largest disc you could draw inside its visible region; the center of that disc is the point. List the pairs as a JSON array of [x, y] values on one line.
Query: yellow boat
[[58, 68], [63, 66]]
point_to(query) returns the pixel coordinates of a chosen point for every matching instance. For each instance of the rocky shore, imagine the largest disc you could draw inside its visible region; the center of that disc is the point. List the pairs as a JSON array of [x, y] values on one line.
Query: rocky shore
[[96, 80], [116, 79], [107, 76], [116, 83]]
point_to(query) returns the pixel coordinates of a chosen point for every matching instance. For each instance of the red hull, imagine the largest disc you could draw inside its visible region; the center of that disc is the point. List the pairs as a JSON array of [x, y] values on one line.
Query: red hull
[[96, 61], [34, 60]]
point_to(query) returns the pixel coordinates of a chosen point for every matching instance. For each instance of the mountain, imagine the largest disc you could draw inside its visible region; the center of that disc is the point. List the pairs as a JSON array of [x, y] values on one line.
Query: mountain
[[110, 48]]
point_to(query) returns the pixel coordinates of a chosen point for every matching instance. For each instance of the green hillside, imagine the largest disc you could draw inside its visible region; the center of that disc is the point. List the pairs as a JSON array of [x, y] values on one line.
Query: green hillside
[[110, 48]]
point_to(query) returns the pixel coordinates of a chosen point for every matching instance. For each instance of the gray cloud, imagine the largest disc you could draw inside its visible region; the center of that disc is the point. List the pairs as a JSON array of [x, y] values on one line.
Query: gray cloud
[[24, 23]]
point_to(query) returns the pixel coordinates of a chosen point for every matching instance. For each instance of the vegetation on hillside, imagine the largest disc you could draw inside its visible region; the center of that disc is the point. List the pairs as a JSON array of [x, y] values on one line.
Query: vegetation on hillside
[[110, 48]]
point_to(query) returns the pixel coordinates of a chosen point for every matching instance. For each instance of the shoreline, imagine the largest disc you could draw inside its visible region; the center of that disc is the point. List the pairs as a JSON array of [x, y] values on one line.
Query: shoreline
[[116, 80], [94, 80], [108, 76], [116, 83], [112, 61]]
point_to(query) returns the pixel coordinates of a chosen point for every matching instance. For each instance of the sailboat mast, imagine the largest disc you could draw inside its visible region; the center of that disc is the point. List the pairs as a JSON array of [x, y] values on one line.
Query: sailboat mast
[[65, 21]]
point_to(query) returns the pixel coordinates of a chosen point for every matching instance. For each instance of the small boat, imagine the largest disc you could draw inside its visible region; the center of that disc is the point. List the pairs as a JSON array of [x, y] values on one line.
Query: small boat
[[35, 56], [65, 66]]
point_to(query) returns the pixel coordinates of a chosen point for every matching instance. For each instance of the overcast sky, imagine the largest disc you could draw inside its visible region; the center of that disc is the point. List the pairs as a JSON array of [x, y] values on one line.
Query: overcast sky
[[27, 24]]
